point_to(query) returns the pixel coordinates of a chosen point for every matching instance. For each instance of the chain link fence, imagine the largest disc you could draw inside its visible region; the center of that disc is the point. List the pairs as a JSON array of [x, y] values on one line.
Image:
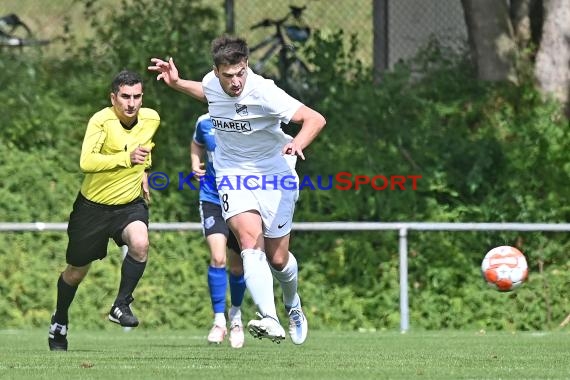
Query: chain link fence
[[408, 23], [412, 22], [352, 16]]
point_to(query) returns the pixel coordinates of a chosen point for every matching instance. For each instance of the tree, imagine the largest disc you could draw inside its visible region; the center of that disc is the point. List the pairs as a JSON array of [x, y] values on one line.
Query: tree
[[491, 39], [552, 69], [506, 35]]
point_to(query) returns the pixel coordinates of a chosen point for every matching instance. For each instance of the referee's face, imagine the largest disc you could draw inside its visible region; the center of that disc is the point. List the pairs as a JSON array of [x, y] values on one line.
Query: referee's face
[[232, 77], [127, 102]]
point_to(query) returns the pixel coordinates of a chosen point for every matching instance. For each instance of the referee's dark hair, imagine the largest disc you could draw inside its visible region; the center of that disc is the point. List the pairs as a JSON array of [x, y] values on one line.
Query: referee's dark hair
[[125, 78]]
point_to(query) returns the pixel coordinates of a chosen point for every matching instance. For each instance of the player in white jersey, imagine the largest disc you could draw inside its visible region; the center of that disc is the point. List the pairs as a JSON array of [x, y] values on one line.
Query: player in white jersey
[[255, 173]]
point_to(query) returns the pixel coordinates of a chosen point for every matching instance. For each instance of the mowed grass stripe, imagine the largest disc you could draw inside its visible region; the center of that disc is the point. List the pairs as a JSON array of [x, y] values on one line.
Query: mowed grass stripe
[[145, 354]]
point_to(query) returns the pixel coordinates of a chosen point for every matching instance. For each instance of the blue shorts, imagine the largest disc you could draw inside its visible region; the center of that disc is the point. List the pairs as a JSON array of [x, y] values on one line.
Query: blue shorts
[[214, 223]]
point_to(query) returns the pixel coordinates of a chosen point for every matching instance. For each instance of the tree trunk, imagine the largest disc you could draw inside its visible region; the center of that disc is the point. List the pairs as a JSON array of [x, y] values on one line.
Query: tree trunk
[[552, 69], [491, 41], [520, 18]]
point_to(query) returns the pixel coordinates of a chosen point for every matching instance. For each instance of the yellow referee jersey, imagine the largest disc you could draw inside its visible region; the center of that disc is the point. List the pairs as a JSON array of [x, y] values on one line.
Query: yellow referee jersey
[[105, 156]]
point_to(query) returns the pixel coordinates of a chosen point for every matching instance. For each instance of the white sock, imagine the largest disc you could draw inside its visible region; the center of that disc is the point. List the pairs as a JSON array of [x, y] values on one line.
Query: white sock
[[288, 278], [220, 319], [234, 314], [259, 281]]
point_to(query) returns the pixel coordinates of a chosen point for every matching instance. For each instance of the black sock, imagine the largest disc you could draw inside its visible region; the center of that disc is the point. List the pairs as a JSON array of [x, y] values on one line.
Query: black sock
[[65, 295], [131, 273]]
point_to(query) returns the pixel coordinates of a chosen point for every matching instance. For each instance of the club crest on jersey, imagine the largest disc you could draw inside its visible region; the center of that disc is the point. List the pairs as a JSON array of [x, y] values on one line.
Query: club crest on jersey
[[241, 109]]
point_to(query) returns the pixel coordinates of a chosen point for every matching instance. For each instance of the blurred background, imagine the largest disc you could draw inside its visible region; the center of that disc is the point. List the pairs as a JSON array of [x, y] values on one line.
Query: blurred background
[[470, 94]]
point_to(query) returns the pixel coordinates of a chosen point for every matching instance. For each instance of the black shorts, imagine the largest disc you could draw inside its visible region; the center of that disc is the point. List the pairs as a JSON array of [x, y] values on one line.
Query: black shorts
[[214, 223], [91, 225]]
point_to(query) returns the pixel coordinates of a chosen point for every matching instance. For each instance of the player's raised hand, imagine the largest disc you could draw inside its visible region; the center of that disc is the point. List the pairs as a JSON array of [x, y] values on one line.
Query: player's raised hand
[[166, 70]]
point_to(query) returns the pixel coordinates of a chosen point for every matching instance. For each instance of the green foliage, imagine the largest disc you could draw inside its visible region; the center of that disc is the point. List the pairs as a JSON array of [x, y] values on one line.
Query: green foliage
[[431, 117], [485, 153]]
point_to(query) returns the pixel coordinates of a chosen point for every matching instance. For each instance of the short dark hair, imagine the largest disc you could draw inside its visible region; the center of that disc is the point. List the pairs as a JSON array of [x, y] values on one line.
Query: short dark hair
[[229, 50], [125, 78]]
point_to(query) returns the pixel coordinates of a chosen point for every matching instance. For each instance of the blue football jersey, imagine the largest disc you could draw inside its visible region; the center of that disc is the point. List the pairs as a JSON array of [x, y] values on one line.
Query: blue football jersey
[[204, 135]]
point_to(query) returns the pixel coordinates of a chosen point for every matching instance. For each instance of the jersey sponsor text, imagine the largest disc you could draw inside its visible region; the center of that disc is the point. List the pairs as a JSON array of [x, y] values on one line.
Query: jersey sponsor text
[[229, 125]]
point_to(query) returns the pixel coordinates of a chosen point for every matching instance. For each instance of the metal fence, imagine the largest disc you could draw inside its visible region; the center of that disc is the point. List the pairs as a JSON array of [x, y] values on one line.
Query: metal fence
[[403, 26], [403, 229], [411, 23], [397, 27]]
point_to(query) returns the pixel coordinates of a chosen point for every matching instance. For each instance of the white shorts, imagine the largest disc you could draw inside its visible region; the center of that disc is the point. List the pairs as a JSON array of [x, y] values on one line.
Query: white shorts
[[273, 196]]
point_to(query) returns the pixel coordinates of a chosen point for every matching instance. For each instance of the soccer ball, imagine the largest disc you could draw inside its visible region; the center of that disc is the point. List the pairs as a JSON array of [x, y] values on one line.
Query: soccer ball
[[504, 268]]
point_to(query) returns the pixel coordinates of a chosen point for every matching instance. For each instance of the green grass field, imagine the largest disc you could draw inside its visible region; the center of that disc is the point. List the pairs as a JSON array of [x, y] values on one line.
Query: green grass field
[[144, 354]]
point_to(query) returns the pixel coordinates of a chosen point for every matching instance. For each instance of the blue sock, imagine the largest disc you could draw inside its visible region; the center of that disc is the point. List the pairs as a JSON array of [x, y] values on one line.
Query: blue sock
[[218, 284], [237, 289]]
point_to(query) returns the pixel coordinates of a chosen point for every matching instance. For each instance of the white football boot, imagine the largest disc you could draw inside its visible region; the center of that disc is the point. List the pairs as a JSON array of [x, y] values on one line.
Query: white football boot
[[266, 327], [298, 326], [236, 334], [217, 334]]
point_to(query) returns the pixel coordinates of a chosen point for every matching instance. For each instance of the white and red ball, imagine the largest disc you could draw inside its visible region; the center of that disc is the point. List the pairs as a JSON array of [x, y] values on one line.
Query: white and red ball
[[504, 268]]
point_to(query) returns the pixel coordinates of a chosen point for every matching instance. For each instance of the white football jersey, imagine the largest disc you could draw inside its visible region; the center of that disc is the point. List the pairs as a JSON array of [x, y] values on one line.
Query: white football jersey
[[249, 138]]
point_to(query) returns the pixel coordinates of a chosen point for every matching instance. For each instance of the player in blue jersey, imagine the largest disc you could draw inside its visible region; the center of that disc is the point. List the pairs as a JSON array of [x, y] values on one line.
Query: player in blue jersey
[[218, 236]]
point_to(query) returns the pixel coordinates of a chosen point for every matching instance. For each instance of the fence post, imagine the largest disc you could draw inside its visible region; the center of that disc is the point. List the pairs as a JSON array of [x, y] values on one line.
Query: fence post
[[381, 42], [230, 16], [404, 310]]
